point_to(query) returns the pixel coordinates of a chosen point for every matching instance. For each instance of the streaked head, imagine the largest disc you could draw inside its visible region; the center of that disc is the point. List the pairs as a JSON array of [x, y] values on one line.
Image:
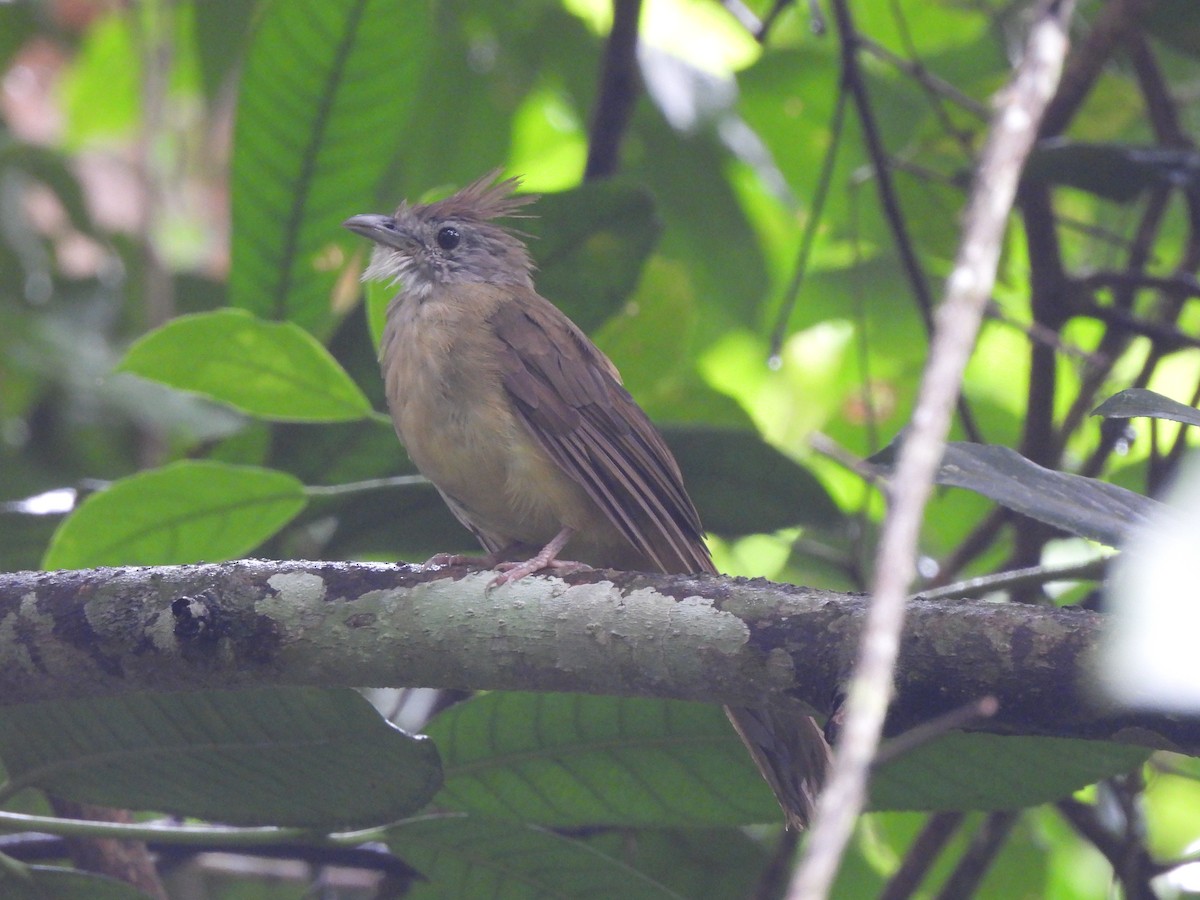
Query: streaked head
[[452, 241]]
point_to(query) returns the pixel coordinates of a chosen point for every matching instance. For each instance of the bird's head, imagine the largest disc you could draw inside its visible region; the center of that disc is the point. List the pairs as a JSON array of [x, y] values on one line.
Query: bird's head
[[452, 241]]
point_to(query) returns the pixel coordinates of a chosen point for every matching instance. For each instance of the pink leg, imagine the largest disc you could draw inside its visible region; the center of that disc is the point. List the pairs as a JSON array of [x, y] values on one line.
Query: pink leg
[[547, 558]]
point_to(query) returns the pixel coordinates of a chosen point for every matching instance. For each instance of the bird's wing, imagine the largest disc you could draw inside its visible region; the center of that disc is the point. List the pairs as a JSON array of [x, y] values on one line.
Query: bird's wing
[[570, 397]]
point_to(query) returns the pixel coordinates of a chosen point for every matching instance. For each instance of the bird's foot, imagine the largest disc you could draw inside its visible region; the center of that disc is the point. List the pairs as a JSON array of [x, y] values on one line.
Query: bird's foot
[[456, 559], [512, 571], [547, 558]]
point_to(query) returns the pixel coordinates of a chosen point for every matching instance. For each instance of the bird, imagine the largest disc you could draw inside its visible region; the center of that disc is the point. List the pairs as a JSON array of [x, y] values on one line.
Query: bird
[[524, 427]]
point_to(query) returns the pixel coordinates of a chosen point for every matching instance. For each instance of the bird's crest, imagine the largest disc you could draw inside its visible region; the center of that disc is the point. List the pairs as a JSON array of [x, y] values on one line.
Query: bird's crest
[[483, 199]]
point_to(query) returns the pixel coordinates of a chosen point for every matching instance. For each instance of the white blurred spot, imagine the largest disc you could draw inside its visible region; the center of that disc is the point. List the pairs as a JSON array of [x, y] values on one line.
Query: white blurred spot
[[47, 503], [1150, 659]]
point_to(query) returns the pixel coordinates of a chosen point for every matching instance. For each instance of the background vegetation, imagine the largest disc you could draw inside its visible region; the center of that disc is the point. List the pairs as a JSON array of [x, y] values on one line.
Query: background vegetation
[[187, 367]]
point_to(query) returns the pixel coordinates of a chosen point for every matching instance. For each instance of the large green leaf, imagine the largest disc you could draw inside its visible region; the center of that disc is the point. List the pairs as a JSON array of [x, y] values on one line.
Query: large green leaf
[[567, 760], [322, 109], [278, 756], [991, 771], [467, 856], [185, 512], [275, 370], [572, 760]]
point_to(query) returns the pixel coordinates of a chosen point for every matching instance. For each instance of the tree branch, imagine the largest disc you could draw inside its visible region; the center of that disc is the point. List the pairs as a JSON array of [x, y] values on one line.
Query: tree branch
[[65, 635]]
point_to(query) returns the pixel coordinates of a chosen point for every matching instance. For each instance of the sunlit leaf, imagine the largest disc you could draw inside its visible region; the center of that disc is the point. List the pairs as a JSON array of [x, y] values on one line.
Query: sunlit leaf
[[321, 111], [189, 511], [275, 370]]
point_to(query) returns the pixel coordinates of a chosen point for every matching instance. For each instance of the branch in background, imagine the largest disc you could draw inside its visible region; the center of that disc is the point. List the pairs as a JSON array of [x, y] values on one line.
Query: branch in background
[[1129, 859], [985, 844], [620, 84], [939, 828], [1091, 570], [968, 289], [1115, 20]]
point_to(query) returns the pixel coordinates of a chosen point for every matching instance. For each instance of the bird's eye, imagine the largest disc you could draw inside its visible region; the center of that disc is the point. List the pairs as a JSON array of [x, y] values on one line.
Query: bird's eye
[[448, 238]]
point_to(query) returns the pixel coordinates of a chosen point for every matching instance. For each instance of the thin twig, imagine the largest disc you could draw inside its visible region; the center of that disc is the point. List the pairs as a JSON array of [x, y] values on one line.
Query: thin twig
[[938, 88], [829, 448], [968, 289], [1168, 337], [813, 224], [1091, 570], [918, 736]]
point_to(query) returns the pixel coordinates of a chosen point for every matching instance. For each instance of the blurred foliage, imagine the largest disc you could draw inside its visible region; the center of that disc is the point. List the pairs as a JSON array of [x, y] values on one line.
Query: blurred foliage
[[173, 175]]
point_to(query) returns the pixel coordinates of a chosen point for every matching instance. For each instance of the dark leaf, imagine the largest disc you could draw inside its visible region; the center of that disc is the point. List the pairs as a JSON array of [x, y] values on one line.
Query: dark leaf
[[742, 485], [1175, 22], [991, 771], [1117, 171], [469, 856], [1134, 402], [278, 756], [1081, 506]]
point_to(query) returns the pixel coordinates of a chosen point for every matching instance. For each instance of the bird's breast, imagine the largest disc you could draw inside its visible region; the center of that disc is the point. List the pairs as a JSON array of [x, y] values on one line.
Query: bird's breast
[[460, 429]]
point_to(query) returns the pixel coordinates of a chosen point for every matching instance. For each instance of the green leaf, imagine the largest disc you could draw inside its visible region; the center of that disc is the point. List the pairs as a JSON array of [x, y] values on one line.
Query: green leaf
[[590, 244], [185, 512], [322, 109], [742, 485], [1134, 402], [274, 370], [279, 756], [55, 883], [695, 862], [468, 856], [990, 771], [565, 760]]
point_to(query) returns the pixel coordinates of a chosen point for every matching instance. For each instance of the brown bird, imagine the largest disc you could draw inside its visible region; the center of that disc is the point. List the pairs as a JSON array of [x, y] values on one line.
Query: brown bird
[[525, 429]]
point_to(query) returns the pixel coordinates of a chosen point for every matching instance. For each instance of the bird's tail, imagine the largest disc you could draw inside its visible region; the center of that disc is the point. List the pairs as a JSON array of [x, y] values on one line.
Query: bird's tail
[[790, 751]]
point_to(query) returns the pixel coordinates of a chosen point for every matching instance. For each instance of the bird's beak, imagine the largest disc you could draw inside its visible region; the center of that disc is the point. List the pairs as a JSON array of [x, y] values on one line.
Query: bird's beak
[[380, 229]]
